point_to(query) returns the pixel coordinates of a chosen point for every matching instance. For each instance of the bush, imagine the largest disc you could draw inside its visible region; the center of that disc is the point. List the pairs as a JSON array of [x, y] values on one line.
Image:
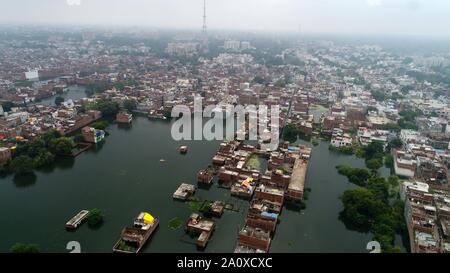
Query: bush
[[100, 125], [290, 133], [374, 164], [369, 208], [78, 138], [24, 248], [62, 146], [130, 104], [175, 223], [95, 218], [374, 150], [22, 165], [356, 176], [59, 101], [315, 142], [361, 206], [107, 107], [347, 150], [389, 161], [43, 159]]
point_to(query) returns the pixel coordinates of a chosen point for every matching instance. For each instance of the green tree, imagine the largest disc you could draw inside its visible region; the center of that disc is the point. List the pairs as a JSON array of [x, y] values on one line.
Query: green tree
[[107, 107], [374, 163], [393, 180], [98, 87], [62, 145], [95, 217], [378, 95], [22, 165], [290, 132], [130, 104], [389, 161], [50, 135], [361, 206], [374, 150], [78, 138], [43, 159], [379, 187], [259, 80], [35, 146], [410, 115], [396, 143], [24, 248], [356, 176], [100, 125], [59, 100]]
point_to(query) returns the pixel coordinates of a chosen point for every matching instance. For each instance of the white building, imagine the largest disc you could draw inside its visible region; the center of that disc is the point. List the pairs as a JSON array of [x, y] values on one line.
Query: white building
[[410, 136], [339, 139], [412, 185], [232, 45]]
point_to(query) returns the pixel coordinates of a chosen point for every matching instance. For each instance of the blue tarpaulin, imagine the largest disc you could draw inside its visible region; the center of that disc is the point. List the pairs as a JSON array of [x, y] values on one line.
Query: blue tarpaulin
[[267, 214]]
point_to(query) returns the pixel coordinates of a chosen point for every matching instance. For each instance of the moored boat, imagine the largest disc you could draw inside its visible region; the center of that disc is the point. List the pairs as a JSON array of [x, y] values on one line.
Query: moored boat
[[132, 239]]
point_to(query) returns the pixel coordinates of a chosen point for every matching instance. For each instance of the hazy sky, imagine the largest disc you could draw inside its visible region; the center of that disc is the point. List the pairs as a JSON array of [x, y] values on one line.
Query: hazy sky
[[411, 17]]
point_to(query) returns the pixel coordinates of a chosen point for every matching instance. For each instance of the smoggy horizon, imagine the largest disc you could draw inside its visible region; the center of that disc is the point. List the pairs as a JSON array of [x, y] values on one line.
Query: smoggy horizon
[[343, 17]]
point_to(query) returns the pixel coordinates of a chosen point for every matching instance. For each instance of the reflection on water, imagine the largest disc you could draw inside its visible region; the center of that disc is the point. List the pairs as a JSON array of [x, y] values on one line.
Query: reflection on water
[[65, 163], [125, 126], [24, 180], [97, 147]]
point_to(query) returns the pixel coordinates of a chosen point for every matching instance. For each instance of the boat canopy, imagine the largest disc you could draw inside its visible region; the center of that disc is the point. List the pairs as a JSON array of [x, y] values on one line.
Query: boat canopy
[[148, 218]]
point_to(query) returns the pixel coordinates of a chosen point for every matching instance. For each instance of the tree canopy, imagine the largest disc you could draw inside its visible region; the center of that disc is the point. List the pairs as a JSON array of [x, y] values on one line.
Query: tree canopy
[[22, 165], [24, 248], [95, 217], [59, 100]]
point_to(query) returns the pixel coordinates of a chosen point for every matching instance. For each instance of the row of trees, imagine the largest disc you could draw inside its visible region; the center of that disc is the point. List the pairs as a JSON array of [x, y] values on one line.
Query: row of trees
[[376, 153], [369, 208], [106, 106], [24, 248], [357, 176], [373, 154], [102, 86], [347, 150]]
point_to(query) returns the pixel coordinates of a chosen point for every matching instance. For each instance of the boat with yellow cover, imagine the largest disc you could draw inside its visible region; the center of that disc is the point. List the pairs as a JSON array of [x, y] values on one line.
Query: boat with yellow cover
[[132, 239]]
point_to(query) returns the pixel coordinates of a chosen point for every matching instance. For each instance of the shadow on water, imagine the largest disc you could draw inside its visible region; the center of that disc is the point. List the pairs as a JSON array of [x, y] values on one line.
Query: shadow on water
[[64, 163], [96, 148], [124, 126], [96, 227], [47, 168], [295, 206], [204, 186], [24, 180]]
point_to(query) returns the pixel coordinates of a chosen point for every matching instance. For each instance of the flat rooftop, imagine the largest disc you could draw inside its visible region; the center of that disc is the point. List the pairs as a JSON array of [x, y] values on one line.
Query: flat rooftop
[[298, 176]]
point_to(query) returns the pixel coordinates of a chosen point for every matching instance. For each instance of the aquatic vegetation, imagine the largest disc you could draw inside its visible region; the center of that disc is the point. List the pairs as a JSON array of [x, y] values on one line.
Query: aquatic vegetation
[[254, 163], [175, 223]]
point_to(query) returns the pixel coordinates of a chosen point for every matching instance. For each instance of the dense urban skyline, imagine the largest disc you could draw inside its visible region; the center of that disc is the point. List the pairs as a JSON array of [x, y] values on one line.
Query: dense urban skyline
[[407, 17]]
